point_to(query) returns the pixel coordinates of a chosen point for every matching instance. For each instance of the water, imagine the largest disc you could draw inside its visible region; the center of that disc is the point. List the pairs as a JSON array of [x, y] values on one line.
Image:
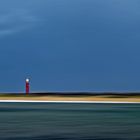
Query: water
[[52, 121]]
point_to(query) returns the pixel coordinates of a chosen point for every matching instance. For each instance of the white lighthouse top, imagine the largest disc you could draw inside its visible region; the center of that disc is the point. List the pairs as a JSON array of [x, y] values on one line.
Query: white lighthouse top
[[27, 80]]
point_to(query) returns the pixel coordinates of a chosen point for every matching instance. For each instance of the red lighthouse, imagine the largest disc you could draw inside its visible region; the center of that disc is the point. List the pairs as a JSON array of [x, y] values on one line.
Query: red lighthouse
[[27, 86]]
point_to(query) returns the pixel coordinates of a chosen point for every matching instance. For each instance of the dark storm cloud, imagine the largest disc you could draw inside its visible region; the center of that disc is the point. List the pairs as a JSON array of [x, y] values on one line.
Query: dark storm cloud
[[82, 45]]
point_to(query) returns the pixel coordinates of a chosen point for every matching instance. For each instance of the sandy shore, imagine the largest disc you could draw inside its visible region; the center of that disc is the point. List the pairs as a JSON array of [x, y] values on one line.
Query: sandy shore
[[72, 98]]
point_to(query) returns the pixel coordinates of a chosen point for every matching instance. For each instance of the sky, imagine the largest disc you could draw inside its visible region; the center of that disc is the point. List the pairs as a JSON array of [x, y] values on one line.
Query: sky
[[70, 45]]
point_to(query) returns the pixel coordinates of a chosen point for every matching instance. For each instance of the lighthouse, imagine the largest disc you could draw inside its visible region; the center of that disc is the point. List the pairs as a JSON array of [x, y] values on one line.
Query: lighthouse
[[27, 86]]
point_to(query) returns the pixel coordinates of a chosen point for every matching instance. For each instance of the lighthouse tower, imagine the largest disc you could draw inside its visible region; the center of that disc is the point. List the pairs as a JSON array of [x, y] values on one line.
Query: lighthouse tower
[[27, 86]]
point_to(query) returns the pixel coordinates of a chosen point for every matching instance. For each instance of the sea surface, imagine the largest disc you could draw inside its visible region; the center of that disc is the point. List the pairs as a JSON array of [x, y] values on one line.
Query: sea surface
[[60, 121]]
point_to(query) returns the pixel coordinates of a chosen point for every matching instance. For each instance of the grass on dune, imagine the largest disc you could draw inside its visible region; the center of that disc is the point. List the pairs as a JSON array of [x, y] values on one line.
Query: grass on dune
[[72, 96]]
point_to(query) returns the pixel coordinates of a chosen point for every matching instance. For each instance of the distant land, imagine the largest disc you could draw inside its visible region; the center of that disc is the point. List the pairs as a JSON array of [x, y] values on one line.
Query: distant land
[[75, 93], [73, 96]]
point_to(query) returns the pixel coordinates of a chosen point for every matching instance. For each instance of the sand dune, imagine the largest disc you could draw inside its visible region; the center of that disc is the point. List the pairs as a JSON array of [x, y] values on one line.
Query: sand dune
[[74, 98]]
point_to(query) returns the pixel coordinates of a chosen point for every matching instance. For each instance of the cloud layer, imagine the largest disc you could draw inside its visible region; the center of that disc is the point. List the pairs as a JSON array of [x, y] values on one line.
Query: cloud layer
[[16, 21]]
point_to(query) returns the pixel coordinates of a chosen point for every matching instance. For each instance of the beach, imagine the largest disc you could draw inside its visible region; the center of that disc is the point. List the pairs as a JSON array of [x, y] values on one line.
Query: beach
[[67, 98]]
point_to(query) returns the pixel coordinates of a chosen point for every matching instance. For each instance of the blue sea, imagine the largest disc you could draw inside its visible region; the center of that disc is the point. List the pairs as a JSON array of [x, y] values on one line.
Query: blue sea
[[60, 121]]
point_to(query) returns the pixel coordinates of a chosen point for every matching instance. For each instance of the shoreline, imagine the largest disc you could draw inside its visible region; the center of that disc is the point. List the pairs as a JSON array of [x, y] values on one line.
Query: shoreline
[[72, 102], [71, 99]]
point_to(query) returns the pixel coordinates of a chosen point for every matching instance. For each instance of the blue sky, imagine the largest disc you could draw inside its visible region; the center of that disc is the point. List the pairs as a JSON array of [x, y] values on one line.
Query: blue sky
[[70, 45]]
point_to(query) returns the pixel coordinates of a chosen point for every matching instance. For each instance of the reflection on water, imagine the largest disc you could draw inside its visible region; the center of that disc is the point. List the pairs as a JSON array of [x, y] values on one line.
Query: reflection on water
[[69, 121]]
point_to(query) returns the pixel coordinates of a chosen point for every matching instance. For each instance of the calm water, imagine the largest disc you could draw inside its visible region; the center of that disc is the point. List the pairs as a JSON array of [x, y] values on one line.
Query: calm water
[[54, 121]]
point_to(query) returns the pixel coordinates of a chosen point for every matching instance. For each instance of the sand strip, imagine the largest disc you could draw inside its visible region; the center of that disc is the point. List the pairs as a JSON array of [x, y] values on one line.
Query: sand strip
[[87, 102]]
